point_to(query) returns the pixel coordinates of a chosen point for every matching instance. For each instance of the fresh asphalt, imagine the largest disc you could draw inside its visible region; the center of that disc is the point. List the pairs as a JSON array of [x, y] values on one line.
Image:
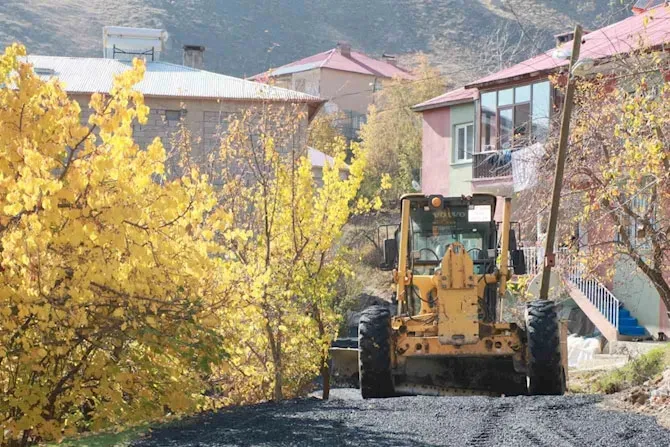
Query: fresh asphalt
[[348, 420]]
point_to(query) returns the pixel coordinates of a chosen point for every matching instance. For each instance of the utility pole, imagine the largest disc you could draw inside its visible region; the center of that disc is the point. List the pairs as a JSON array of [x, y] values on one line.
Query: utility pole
[[550, 256]]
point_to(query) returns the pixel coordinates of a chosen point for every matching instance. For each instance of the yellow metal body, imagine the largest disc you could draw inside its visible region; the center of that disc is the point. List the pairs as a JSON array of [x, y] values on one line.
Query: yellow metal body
[[449, 323], [457, 300]]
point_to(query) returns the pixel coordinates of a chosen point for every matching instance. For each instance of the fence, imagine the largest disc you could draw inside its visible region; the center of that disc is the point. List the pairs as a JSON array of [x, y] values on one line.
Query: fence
[[492, 164]]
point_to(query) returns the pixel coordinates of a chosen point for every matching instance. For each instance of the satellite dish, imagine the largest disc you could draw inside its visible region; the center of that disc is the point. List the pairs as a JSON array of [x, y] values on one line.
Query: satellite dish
[[416, 186], [562, 53], [583, 67]]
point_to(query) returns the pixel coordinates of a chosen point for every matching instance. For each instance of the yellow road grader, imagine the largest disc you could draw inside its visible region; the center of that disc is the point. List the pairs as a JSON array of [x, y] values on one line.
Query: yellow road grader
[[446, 335]]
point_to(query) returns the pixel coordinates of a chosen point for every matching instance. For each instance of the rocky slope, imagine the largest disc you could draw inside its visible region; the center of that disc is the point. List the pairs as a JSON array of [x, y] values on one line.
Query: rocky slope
[[244, 37]]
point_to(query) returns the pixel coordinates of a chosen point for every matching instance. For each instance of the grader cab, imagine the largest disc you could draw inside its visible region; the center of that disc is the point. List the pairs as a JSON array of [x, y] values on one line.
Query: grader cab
[[447, 334]]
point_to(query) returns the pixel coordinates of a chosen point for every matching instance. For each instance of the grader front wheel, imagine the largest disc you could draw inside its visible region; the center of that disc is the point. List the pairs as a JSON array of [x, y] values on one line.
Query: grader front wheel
[[374, 353], [545, 370]]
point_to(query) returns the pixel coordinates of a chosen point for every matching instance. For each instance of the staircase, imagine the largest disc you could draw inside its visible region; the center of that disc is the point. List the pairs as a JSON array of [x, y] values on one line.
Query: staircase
[[598, 303], [628, 324], [606, 312]]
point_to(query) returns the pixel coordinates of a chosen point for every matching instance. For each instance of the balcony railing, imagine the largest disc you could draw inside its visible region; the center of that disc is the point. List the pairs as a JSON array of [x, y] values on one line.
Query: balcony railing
[[492, 164]]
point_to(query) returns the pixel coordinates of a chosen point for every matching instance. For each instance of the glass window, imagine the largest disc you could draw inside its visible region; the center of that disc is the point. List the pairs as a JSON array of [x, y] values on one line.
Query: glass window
[[506, 97], [470, 142], [489, 101], [464, 142], [505, 124], [515, 116], [488, 111], [541, 110], [172, 115], [432, 231], [522, 94], [521, 124]]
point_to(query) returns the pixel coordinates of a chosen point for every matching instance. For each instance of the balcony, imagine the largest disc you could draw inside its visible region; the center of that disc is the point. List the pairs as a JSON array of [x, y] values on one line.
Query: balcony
[[492, 164]]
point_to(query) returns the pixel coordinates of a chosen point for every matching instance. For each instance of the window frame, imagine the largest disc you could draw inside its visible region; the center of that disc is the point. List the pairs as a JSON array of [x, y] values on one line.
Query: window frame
[[455, 149], [496, 132], [173, 115]]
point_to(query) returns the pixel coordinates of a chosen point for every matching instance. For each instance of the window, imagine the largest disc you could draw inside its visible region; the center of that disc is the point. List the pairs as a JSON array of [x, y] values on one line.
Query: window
[[299, 85], [172, 115], [489, 105], [312, 88], [541, 110], [464, 140], [642, 208], [515, 117]]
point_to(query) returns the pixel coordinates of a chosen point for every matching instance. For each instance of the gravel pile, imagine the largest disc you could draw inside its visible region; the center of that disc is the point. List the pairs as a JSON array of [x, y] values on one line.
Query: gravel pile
[[417, 421]]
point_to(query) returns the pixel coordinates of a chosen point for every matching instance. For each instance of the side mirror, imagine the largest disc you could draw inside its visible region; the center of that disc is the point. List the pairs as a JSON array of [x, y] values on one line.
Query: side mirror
[[518, 262], [390, 254]]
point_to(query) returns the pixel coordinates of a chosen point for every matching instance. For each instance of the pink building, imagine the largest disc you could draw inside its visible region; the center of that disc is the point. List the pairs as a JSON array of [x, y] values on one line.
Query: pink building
[[477, 139], [345, 78]]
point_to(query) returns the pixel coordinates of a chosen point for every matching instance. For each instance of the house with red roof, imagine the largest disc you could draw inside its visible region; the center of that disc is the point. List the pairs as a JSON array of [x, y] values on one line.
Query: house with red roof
[[512, 108], [480, 139], [345, 78]]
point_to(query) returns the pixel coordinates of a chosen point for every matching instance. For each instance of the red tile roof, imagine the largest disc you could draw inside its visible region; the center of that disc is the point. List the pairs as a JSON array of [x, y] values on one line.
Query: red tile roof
[[645, 30], [356, 62], [458, 96]]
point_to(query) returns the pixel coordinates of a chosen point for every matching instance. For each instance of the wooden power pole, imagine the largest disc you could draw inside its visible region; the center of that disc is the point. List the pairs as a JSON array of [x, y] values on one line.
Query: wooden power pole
[[550, 256]]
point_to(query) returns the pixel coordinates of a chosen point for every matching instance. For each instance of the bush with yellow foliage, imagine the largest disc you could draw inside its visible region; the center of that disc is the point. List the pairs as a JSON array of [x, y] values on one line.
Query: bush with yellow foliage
[[127, 293]]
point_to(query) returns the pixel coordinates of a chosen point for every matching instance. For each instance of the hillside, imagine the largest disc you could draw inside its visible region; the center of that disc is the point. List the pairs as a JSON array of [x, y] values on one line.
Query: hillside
[[244, 37]]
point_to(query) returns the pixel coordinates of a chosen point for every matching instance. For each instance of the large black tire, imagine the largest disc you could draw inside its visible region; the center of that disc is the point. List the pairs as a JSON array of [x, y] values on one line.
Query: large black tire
[[374, 353], [545, 369]]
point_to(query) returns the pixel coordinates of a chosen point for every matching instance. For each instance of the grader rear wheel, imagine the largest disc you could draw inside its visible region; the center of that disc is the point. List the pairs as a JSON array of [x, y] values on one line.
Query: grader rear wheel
[[374, 353], [545, 370]]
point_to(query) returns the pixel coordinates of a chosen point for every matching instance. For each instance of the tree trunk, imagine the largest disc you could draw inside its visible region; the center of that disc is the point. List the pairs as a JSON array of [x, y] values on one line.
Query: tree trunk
[[661, 286], [325, 373], [325, 368], [275, 347], [277, 393]]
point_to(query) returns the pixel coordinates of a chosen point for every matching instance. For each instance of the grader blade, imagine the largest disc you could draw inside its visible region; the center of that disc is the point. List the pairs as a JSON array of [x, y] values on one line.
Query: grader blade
[[344, 362], [493, 376]]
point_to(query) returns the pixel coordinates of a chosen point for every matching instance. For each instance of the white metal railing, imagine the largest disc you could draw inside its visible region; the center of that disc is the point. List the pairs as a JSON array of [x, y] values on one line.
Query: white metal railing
[[573, 271], [530, 257], [599, 295]]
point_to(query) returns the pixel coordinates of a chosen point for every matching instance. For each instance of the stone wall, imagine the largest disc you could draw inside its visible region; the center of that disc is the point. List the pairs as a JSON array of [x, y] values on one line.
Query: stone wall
[[206, 119]]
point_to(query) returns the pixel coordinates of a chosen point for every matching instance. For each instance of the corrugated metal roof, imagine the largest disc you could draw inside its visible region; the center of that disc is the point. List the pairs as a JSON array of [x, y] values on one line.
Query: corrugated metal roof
[[646, 30], [89, 75], [356, 62], [460, 95]]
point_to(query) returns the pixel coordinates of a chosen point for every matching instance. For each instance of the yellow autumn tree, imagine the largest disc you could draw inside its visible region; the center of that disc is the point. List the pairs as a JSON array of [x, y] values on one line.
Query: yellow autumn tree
[[392, 135], [325, 131], [280, 230], [129, 290], [106, 285]]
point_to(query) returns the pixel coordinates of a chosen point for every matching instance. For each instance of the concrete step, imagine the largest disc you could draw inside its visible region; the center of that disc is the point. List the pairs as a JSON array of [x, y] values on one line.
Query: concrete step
[[628, 321], [631, 330]]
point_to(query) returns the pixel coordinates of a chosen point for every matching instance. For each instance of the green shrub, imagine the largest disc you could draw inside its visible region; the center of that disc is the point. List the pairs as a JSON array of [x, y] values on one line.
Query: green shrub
[[635, 372]]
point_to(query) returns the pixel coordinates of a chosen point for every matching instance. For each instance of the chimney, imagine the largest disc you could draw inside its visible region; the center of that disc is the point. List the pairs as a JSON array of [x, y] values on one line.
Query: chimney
[[344, 48], [194, 56], [567, 37], [390, 59]]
